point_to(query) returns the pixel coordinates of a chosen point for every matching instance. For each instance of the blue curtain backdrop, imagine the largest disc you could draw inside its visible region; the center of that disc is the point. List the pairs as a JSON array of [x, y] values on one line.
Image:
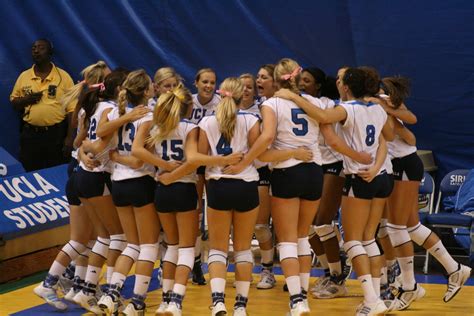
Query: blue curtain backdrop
[[430, 42]]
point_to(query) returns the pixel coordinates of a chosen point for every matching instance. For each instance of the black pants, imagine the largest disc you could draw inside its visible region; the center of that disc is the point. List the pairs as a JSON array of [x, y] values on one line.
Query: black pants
[[42, 147]]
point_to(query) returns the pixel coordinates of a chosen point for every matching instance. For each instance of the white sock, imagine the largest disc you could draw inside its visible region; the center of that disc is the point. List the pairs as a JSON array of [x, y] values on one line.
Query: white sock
[[335, 268], [442, 255], [368, 288], [376, 285], [168, 285], [81, 272], [242, 288], [294, 284], [56, 269], [179, 289], [118, 278], [110, 271], [142, 282], [323, 260], [304, 279], [92, 275], [407, 273], [267, 255], [217, 285]]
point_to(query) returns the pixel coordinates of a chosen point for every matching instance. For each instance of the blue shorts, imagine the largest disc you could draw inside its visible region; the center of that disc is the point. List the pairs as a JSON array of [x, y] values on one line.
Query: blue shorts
[[136, 192], [232, 195], [304, 181], [176, 197], [92, 184]]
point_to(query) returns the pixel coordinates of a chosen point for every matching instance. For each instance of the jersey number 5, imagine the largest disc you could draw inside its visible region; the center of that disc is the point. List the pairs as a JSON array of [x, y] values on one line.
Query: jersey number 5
[[298, 120]]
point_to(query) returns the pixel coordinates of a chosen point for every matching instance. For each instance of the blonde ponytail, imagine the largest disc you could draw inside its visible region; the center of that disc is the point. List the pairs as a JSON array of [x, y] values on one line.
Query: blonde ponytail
[[133, 90], [287, 74], [231, 91], [122, 101], [171, 107]]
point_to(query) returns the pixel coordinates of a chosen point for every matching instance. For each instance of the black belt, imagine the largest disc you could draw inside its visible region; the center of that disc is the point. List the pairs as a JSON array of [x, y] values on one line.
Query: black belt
[[38, 129]]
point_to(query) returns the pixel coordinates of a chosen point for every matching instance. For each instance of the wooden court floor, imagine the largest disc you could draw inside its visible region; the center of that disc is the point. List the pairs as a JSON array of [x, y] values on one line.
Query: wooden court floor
[[261, 302]]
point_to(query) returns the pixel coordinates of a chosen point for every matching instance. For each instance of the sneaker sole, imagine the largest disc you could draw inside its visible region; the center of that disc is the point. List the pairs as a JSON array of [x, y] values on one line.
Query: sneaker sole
[[464, 279]]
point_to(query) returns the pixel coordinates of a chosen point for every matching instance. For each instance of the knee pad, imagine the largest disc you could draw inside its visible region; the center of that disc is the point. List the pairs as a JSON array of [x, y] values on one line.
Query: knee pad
[[132, 251], [217, 256], [371, 248], [263, 233], [353, 249], [383, 229], [304, 248], [88, 249], [186, 257], [101, 247], [312, 231], [118, 242], [398, 234], [148, 252], [288, 250], [419, 233], [244, 256], [325, 232], [73, 249], [171, 254]]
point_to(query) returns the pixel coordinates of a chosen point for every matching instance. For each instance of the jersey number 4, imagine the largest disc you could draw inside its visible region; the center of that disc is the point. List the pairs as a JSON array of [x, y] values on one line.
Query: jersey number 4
[[223, 147], [298, 120]]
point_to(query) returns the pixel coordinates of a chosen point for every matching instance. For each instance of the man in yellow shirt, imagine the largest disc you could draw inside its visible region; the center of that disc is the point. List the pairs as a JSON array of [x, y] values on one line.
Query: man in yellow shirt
[[37, 94]]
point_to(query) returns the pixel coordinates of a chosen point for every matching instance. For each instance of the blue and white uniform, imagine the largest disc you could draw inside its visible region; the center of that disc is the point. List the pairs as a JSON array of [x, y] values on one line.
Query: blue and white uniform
[[231, 191], [181, 195], [294, 178], [202, 110]]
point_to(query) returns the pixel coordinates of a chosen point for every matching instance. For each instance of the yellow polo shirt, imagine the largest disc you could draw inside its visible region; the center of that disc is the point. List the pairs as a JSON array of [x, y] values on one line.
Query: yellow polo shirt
[[48, 111]]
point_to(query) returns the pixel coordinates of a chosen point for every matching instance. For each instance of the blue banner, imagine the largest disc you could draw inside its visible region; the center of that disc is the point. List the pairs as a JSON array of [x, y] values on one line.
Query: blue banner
[[32, 202]]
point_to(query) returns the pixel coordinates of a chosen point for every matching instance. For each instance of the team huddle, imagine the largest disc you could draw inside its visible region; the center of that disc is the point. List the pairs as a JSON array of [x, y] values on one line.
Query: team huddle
[[276, 158]]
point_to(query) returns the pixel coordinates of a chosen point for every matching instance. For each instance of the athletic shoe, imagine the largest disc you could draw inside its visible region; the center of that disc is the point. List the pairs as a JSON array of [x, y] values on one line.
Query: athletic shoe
[[108, 304], [405, 298], [65, 284], [456, 281], [173, 310], [267, 280], [89, 302], [319, 283], [377, 308], [335, 287], [161, 309], [387, 292], [130, 310], [240, 311], [218, 309], [198, 275], [50, 296], [299, 309]]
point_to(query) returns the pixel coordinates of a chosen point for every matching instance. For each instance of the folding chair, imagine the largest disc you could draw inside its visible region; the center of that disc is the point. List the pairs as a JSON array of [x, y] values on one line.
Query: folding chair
[[446, 219]]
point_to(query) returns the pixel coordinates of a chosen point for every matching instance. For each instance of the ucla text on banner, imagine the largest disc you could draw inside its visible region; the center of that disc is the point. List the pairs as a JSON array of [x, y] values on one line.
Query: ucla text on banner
[[32, 202]]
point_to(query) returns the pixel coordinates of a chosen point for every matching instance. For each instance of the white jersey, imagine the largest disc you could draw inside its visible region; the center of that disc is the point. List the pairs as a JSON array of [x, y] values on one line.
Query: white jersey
[[294, 129], [329, 155], [152, 103], [398, 148], [361, 131], [255, 110], [387, 165], [126, 135], [103, 157], [202, 110], [172, 148], [239, 143]]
